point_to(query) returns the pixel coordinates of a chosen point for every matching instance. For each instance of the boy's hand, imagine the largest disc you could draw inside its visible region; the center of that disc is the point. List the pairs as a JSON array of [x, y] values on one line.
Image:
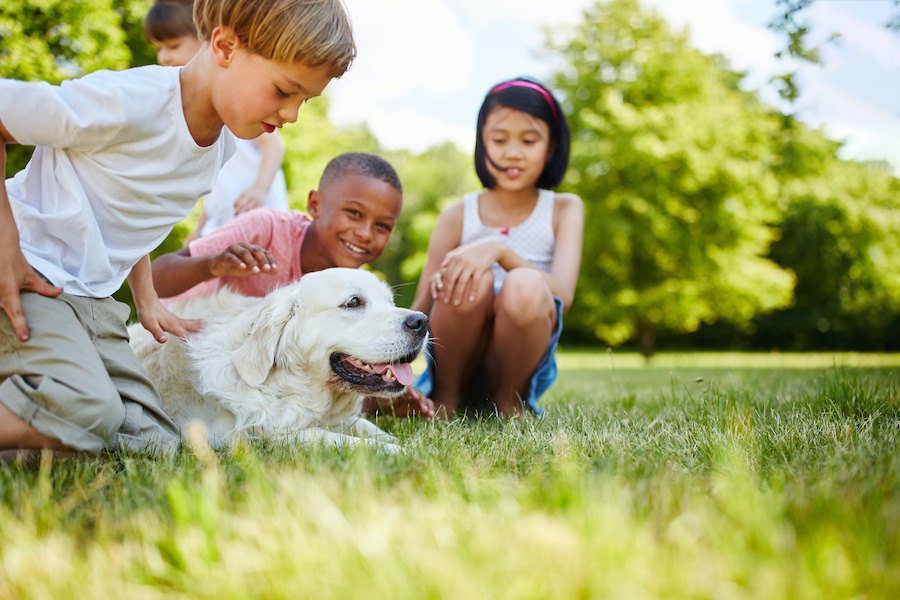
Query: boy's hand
[[15, 275], [158, 320], [242, 260]]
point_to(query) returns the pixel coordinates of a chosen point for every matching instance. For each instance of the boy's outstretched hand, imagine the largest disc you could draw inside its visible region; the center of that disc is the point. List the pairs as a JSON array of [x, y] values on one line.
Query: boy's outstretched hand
[[157, 319], [241, 260], [15, 275], [409, 404]]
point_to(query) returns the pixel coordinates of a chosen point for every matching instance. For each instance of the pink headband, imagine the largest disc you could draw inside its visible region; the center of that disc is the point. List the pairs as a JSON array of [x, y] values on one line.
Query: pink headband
[[527, 84]]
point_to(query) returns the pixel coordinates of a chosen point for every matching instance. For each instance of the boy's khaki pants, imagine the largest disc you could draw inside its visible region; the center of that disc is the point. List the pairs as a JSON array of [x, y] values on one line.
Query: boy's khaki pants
[[77, 379]]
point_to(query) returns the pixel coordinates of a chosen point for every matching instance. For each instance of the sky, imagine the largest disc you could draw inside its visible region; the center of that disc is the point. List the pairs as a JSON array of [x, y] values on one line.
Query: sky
[[423, 66]]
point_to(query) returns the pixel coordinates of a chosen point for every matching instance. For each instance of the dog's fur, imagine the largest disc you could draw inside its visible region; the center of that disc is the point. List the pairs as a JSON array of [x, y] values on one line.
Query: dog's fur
[[292, 366]]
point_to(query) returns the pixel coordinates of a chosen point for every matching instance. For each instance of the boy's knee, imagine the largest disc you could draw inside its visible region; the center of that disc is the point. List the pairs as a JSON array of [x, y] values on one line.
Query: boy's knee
[[99, 412], [102, 416]]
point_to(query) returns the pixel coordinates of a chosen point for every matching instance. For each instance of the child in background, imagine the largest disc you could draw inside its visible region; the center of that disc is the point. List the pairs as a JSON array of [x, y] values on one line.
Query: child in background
[[353, 214], [120, 158], [503, 263], [253, 176]]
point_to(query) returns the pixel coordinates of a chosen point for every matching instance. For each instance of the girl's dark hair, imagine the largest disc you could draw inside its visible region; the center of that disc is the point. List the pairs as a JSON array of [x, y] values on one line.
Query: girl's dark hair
[[169, 19], [528, 96]]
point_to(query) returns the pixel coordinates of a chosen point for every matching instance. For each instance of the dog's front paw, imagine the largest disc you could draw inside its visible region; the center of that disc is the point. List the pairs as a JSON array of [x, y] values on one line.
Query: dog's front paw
[[389, 448], [386, 438]]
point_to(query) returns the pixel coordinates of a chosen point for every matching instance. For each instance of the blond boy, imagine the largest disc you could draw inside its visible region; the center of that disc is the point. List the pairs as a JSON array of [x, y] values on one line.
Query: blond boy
[[121, 157]]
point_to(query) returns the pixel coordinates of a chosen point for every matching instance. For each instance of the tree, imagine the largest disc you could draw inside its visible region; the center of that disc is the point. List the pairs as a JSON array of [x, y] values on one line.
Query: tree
[[841, 236], [673, 161], [840, 227]]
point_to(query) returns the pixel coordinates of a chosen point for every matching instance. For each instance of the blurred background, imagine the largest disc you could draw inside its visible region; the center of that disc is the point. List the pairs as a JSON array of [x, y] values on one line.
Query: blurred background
[[739, 160]]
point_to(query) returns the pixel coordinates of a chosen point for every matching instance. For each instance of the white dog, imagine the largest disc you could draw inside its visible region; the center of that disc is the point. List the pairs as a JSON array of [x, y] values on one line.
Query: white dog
[[293, 366]]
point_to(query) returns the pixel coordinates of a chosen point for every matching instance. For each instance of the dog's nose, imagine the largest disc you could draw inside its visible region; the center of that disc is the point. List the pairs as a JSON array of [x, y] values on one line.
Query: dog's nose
[[416, 322]]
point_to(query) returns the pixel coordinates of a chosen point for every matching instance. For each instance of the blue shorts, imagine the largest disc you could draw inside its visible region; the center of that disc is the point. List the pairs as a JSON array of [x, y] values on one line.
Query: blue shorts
[[477, 395]]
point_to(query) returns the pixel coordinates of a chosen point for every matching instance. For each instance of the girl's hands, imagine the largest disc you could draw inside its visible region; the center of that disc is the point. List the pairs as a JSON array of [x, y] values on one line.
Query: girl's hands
[[242, 260], [462, 270]]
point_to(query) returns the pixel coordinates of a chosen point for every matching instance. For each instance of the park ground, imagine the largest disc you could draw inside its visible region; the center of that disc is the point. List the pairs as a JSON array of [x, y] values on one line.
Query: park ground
[[692, 476]]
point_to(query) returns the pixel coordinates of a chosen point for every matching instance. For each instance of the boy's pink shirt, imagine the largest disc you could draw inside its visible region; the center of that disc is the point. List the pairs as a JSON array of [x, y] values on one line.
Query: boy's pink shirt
[[279, 232]]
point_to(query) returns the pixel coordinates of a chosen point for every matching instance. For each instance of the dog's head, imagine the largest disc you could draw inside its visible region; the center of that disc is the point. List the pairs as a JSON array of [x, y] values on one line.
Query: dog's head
[[337, 326]]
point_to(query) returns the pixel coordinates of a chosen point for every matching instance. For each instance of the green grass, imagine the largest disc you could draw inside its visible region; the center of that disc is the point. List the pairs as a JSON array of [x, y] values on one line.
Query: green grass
[[693, 476]]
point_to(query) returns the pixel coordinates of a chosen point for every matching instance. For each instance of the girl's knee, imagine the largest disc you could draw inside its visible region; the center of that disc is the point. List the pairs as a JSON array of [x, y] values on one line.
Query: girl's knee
[[525, 297]]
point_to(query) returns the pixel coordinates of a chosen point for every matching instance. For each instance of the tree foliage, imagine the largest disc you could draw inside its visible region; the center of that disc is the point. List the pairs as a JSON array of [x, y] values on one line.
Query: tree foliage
[[673, 161]]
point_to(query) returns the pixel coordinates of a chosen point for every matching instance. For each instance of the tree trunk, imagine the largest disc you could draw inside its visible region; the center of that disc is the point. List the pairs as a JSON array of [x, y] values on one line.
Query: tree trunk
[[646, 338]]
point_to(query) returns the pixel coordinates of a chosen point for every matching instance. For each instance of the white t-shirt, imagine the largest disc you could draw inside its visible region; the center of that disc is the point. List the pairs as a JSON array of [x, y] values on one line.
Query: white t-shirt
[[114, 170], [237, 175]]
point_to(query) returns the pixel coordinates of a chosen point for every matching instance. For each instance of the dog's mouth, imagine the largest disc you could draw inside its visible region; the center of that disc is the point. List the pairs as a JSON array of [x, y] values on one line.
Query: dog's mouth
[[372, 378]]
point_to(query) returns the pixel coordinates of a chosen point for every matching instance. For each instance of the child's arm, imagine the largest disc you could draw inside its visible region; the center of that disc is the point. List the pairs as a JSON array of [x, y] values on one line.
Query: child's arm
[[270, 161], [462, 266], [568, 230], [446, 236], [154, 316], [15, 272], [178, 272]]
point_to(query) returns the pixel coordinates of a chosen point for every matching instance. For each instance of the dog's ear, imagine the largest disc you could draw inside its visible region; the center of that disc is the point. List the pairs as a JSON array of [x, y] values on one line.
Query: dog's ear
[[254, 358]]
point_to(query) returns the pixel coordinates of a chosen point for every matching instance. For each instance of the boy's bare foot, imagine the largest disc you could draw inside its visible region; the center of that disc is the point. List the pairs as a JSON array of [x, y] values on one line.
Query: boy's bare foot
[[411, 403]]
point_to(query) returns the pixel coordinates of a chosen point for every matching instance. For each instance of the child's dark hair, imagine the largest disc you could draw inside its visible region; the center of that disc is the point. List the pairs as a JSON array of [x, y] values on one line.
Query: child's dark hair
[[528, 96], [361, 163], [169, 19]]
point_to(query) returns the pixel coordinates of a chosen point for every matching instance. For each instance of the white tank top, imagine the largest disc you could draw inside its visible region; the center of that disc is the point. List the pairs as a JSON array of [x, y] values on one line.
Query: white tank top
[[532, 239]]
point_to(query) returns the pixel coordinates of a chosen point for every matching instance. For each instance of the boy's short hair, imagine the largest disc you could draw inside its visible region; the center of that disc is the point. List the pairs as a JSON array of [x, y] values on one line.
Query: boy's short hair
[[169, 19], [361, 163], [310, 32]]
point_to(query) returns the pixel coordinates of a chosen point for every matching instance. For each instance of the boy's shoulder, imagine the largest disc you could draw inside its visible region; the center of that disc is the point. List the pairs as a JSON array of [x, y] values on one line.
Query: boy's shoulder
[[271, 216], [135, 77]]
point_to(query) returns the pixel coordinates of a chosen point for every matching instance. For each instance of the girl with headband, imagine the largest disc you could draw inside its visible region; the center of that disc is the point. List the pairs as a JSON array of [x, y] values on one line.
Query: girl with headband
[[503, 262]]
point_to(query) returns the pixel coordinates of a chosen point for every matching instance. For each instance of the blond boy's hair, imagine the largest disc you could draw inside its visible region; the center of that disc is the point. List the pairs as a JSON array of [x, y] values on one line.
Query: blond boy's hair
[[310, 32]]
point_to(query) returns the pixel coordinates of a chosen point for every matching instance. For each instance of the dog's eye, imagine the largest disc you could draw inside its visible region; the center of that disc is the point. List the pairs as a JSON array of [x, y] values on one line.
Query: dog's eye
[[353, 302]]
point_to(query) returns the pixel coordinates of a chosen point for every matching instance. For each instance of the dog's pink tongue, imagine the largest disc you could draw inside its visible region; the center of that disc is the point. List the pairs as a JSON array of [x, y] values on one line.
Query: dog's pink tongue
[[402, 371]]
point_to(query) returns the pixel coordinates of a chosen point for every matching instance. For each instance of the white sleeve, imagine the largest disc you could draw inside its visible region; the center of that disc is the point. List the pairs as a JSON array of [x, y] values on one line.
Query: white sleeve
[[79, 113]]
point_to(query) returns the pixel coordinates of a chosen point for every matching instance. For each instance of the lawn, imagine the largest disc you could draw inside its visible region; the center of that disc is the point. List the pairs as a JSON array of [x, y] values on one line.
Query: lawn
[[693, 476]]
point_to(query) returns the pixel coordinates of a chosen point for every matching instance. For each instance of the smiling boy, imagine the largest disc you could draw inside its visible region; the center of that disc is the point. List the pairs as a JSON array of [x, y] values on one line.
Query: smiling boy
[[120, 158], [351, 217]]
